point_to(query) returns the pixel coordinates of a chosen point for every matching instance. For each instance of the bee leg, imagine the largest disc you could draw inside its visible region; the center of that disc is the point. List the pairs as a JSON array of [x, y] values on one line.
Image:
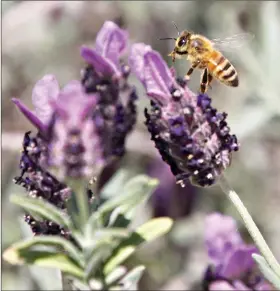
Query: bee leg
[[210, 79], [172, 55], [191, 69], [204, 81]]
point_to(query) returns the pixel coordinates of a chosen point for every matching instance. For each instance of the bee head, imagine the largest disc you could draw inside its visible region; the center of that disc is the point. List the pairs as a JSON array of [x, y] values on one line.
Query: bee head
[[181, 45]]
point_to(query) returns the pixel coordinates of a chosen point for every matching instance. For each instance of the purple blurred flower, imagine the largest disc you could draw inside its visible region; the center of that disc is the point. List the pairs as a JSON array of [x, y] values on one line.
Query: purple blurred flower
[[64, 120], [231, 264], [105, 75], [169, 199], [191, 136]]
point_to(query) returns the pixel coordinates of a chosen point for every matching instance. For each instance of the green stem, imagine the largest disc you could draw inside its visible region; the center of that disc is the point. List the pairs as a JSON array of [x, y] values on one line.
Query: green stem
[[66, 283], [81, 200], [250, 225]]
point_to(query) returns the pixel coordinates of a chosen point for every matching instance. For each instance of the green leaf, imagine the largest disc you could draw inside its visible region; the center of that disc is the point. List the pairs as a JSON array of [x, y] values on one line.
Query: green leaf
[[145, 233], [115, 184], [118, 257], [154, 228], [131, 279], [267, 271], [116, 274], [42, 209], [96, 285], [134, 192], [80, 285], [60, 244], [44, 258], [95, 262], [104, 236], [118, 219]]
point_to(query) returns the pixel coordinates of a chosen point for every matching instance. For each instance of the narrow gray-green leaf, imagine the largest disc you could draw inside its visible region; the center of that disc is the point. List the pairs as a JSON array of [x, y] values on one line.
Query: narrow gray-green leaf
[[43, 209], [137, 190], [111, 233], [115, 184], [80, 285], [154, 228], [95, 262], [131, 279], [118, 218], [115, 275], [267, 271], [145, 233], [59, 243], [118, 257], [46, 259], [103, 237]]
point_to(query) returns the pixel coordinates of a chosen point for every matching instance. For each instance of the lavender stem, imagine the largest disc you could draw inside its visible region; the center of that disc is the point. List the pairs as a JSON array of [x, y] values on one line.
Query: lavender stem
[[78, 187], [66, 284], [250, 225]]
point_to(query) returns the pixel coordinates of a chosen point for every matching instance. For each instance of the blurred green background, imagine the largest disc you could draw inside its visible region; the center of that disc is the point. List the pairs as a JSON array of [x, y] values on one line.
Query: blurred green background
[[44, 37]]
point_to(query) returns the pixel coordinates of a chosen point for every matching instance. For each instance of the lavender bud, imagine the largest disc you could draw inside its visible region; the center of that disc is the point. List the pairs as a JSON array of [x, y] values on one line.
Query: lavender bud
[[191, 136]]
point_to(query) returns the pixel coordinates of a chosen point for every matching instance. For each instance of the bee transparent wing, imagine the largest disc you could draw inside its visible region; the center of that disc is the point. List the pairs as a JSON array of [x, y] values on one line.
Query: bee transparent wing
[[233, 42]]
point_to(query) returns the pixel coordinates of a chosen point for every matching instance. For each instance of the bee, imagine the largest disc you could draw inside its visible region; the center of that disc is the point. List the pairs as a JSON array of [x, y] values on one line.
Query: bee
[[205, 54]]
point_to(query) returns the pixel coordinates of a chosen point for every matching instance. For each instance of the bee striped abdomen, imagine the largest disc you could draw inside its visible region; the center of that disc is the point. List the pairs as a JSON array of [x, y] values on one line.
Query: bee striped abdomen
[[222, 69]]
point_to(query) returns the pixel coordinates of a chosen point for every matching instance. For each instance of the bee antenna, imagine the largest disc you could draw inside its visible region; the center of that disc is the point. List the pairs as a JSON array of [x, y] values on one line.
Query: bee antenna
[[176, 27], [168, 38]]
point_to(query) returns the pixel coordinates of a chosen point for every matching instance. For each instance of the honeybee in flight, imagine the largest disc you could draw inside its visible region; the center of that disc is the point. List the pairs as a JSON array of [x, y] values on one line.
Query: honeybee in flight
[[205, 54]]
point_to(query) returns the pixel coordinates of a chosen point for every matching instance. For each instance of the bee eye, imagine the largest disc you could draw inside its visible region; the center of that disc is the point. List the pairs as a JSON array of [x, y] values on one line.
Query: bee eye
[[182, 42]]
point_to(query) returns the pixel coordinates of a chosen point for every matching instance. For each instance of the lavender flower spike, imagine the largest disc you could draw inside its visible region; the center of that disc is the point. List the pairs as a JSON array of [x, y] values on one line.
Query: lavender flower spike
[[191, 136], [231, 264], [105, 75]]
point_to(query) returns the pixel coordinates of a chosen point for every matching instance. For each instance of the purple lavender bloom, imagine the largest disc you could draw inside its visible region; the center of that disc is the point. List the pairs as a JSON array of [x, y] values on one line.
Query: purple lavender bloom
[[191, 136], [64, 120], [105, 75], [169, 199], [231, 264], [80, 127], [67, 139]]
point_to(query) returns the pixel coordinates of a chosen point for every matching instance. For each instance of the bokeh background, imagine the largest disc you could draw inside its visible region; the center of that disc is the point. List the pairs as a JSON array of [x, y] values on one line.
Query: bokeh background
[[45, 37]]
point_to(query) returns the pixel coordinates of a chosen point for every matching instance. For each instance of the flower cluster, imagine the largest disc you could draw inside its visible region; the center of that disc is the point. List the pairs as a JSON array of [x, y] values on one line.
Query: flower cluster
[[232, 266], [191, 136], [80, 127]]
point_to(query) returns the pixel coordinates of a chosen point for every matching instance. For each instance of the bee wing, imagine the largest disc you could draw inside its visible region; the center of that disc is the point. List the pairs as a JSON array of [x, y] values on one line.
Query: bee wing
[[233, 42]]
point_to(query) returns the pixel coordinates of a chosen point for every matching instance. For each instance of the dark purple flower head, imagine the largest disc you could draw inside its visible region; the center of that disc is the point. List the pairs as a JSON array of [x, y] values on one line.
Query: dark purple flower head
[[40, 183], [105, 75], [191, 136], [231, 264]]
